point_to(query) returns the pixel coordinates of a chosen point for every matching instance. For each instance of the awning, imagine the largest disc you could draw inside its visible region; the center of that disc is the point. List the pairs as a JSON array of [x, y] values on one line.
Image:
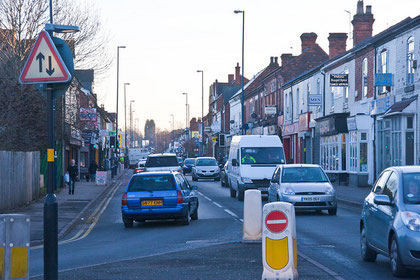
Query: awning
[[401, 107]]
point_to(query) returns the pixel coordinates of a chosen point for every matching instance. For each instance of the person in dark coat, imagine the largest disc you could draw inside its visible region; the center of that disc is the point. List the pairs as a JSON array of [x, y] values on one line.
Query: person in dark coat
[[92, 170], [73, 172]]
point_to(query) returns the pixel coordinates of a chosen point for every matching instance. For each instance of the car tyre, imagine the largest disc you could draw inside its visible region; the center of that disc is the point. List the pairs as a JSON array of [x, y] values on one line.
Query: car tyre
[[397, 268], [187, 219], [194, 178], [332, 212], [217, 179], [368, 254], [195, 215], [241, 195], [232, 192], [128, 223]]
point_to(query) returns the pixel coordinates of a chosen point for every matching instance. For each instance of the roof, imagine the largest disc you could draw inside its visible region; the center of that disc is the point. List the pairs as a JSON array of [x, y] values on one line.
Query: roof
[[398, 107], [249, 83]]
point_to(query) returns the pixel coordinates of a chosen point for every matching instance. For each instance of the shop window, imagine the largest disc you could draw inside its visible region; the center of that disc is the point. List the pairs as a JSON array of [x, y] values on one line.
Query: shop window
[[383, 67], [363, 157], [343, 152], [409, 122], [84, 159], [330, 153], [353, 150], [410, 61], [364, 76]]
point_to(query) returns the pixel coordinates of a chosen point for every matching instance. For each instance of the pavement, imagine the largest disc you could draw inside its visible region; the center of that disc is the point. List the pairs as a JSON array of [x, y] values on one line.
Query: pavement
[[71, 208], [352, 195]]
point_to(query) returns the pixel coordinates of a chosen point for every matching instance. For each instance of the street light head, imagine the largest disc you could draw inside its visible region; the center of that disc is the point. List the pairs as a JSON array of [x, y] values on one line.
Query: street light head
[[127, 84], [61, 28], [121, 47], [184, 93], [199, 71], [238, 11]]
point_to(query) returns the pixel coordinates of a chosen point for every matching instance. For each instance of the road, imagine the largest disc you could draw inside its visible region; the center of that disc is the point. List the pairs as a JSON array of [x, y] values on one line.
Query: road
[[208, 248]]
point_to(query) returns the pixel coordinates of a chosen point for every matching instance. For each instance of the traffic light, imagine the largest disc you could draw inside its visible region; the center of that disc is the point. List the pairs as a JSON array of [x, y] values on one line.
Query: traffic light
[[222, 140], [112, 142]]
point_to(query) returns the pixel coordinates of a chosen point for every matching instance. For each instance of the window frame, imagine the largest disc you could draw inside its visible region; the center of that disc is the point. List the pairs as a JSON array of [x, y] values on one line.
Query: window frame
[[364, 77], [410, 61]]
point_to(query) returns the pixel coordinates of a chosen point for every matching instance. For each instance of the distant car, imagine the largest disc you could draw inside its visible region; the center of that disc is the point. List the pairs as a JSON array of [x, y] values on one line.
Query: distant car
[[141, 166], [224, 175], [162, 162], [188, 164], [205, 168], [159, 196], [180, 161], [306, 186], [390, 223]]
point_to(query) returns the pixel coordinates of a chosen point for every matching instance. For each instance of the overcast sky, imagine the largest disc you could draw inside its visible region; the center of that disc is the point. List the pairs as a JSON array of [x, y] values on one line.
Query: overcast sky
[[169, 40]]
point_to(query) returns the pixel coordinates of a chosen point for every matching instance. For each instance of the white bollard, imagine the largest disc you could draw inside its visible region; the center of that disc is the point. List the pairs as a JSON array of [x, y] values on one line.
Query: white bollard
[[252, 216], [279, 251]]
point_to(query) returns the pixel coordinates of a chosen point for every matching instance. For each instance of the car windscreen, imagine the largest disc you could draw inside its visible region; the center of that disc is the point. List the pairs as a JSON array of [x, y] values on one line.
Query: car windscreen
[[303, 174], [411, 182], [161, 161], [206, 162], [152, 183], [180, 160], [262, 155], [189, 161]]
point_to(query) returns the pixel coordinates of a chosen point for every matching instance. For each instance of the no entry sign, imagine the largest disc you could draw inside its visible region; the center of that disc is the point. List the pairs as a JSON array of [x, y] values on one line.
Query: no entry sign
[[276, 221]]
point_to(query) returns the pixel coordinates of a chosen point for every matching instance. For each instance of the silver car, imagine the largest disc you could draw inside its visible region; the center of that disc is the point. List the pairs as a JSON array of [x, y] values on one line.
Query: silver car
[[390, 223], [205, 168], [306, 186]]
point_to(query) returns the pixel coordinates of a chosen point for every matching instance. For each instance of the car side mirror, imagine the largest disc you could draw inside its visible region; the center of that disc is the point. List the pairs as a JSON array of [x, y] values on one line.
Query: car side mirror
[[383, 200], [234, 162], [194, 188]]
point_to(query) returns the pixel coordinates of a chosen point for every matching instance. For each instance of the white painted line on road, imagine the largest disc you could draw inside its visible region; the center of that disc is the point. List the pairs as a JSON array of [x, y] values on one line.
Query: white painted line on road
[[208, 198], [322, 267], [199, 193], [231, 213], [217, 204]]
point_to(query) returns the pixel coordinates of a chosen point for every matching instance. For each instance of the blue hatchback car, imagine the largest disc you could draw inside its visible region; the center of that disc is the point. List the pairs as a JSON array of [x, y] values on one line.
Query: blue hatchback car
[[159, 196], [390, 223]]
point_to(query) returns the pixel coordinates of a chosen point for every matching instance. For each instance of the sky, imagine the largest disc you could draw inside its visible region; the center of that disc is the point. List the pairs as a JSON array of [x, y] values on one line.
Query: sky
[[167, 41]]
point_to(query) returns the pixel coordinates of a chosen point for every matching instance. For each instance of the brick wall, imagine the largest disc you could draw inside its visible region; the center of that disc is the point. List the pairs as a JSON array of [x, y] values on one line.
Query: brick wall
[[369, 54]]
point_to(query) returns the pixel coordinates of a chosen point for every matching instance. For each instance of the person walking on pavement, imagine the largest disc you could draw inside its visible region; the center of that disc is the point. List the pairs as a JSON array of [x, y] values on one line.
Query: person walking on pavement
[[92, 170], [73, 171]]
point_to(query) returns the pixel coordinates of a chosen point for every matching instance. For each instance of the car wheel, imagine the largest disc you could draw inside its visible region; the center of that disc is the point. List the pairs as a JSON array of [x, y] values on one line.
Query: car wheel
[[222, 183], [187, 219], [193, 178], [128, 223], [241, 195], [232, 192], [217, 179], [195, 215], [368, 255], [332, 212], [397, 268]]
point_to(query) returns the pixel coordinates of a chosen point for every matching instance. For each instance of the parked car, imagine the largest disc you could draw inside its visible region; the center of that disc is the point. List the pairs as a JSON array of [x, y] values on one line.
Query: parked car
[[205, 168], [162, 162], [159, 196], [252, 161], [188, 164], [390, 223], [224, 175], [306, 186], [180, 161]]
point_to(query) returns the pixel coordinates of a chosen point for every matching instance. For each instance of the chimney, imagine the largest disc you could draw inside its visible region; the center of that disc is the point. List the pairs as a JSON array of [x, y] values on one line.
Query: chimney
[[362, 23], [337, 44], [285, 58], [237, 72], [308, 40], [231, 77], [276, 60]]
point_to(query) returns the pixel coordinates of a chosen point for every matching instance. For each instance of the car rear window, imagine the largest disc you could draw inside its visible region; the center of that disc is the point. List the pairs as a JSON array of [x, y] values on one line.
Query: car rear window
[[411, 188], [161, 161], [152, 183], [206, 162], [303, 174], [189, 161]]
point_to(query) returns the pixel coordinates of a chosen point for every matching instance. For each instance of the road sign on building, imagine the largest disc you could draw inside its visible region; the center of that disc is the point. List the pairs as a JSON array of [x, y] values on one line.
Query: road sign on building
[[44, 64]]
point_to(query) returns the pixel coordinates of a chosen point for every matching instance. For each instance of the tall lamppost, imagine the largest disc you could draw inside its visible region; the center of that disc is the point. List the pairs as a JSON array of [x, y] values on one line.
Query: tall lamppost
[[242, 78], [202, 111], [125, 119], [116, 115], [186, 109], [131, 124]]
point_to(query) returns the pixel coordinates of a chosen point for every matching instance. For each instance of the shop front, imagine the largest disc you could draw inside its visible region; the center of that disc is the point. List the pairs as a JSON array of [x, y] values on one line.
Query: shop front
[[305, 138], [332, 131], [290, 143]]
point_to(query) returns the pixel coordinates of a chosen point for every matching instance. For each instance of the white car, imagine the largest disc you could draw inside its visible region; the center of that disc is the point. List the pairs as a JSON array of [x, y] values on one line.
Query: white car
[[162, 162], [306, 186], [205, 168]]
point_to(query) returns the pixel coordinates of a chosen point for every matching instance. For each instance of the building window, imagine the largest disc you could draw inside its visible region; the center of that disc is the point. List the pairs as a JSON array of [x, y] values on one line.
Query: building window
[[330, 152], [273, 86], [363, 152], [358, 148], [409, 141], [353, 150], [410, 61], [383, 67], [318, 86], [364, 76], [346, 88], [396, 141], [297, 101]]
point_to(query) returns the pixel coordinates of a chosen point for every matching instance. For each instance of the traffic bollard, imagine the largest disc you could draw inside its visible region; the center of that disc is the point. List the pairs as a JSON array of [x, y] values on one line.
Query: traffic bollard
[[14, 246], [279, 251], [252, 216]]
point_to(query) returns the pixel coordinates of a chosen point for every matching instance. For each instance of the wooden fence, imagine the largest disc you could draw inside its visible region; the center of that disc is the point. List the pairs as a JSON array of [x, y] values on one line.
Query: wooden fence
[[19, 179]]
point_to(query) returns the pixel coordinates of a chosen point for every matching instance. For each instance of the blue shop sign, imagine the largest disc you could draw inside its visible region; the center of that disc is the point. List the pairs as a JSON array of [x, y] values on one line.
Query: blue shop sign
[[383, 79], [379, 106]]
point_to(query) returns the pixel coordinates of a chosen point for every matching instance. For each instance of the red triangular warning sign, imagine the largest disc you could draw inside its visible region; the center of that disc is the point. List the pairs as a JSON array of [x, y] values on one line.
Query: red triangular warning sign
[[44, 64]]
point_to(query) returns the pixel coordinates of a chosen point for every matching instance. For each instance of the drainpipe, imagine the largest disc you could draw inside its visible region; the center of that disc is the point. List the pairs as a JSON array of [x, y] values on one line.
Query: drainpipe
[[374, 121]]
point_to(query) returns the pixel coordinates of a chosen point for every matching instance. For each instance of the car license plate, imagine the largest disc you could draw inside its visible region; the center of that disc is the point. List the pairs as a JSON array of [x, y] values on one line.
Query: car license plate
[[310, 198], [152, 202]]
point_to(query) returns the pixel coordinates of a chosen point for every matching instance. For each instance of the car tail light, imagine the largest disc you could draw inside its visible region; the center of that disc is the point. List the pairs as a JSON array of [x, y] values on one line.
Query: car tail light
[[180, 170], [124, 199], [179, 199]]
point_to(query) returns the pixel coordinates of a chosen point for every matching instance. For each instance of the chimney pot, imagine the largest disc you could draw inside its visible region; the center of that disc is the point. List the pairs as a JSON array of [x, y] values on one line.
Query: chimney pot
[[308, 40], [276, 60], [237, 72], [368, 9], [362, 23], [359, 7], [337, 44], [231, 77]]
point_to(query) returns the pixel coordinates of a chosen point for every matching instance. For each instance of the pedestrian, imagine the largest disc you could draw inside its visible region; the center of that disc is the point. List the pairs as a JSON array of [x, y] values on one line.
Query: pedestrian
[[92, 170], [73, 172]]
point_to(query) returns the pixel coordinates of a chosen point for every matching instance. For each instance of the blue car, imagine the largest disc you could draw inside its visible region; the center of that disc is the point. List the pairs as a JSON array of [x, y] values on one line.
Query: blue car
[[159, 196], [390, 223]]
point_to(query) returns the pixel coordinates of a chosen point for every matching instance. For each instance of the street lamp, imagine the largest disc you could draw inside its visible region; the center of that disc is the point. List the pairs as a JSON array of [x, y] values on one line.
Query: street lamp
[[118, 76], [242, 78], [202, 111], [186, 109], [350, 36], [125, 119]]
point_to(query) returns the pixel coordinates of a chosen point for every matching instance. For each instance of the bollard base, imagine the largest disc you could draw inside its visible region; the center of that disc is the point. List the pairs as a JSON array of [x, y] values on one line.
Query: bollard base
[[289, 274], [253, 241]]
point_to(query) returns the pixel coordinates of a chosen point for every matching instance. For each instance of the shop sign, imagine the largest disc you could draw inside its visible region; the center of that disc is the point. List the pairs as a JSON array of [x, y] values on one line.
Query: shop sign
[[379, 106], [195, 134], [339, 80], [88, 114], [290, 129], [351, 123], [304, 121], [272, 130], [325, 126], [383, 79], [256, 130], [270, 110], [314, 99]]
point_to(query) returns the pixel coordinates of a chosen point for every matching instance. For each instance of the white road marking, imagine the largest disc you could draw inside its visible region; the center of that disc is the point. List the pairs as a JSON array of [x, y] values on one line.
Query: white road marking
[[217, 204], [208, 198], [231, 213], [273, 222], [199, 193], [322, 267]]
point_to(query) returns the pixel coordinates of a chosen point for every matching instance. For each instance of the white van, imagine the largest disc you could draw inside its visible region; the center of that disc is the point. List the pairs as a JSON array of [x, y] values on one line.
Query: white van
[[252, 161]]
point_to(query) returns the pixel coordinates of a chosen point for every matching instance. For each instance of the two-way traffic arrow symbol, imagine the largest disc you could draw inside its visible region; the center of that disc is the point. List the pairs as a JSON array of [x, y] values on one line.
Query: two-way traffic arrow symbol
[[49, 70], [40, 57]]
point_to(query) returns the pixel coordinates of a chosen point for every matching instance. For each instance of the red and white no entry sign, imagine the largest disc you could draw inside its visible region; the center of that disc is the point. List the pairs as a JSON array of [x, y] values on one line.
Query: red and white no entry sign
[[276, 221]]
